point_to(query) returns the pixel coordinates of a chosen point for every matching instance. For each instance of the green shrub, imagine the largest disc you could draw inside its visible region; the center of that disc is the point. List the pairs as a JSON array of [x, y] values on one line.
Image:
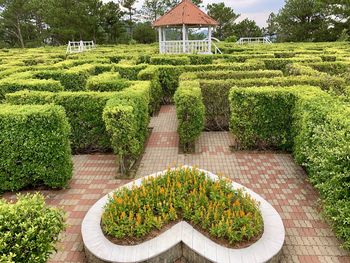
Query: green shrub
[[109, 81], [29, 230], [170, 60], [48, 74], [333, 68], [35, 147], [102, 68], [296, 69], [321, 145], [74, 79], [84, 111], [284, 54], [126, 117], [281, 63], [9, 85], [239, 74], [328, 58], [129, 72], [201, 59], [190, 113], [262, 117]]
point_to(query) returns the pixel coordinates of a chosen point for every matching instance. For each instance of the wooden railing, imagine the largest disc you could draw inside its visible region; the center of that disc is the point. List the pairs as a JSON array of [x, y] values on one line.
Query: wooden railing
[[189, 47], [80, 46]]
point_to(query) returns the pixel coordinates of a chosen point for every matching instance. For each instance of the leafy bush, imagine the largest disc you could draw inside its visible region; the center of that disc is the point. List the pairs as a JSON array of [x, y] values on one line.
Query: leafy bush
[[170, 60], [201, 59], [9, 86], [229, 214], [281, 63], [126, 116], [239, 74], [262, 117], [129, 72], [190, 113], [109, 81], [29, 230], [74, 79], [84, 111], [333, 68], [34, 142]]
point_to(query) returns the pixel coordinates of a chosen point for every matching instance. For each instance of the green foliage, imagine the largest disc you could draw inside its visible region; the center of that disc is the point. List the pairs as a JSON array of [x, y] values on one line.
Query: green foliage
[[170, 60], [332, 68], [11, 85], [190, 113], [322, 135], [29, 230], [251, 74], [126, 117], [225, 213], [262, 117], [129, 72], [84, 111], [109, 81], [201, 59], [232, 39], [35, 147], [74, 79], [281, 63]]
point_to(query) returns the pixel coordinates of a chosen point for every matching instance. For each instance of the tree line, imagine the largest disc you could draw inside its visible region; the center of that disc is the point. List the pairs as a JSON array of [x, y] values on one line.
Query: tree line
[[31, 23]]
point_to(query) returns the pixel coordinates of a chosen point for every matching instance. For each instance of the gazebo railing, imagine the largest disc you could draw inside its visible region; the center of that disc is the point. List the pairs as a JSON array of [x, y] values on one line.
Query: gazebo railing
[[189, 47], [80, 46]]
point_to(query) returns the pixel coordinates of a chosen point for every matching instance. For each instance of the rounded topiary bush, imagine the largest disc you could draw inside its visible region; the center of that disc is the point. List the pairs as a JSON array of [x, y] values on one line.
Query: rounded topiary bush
[[213, 207], [29, 229]]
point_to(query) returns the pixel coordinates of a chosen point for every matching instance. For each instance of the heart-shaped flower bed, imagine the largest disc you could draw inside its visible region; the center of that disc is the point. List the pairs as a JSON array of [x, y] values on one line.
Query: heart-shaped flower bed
[[227, 215]]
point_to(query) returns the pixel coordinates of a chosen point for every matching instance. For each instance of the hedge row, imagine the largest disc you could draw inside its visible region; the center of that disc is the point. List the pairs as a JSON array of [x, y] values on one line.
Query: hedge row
[[126, 117], [9, 86], [281, 63], [332, 68], [84, 111], [34, 142], [190, 113], [253, 74], [129, 72], [311, 123], [74, 79], [108, 81], [29, 230]]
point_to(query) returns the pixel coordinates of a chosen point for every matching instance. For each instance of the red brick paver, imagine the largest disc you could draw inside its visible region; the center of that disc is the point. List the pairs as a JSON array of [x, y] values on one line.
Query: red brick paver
[[274, 176], [94, 176]]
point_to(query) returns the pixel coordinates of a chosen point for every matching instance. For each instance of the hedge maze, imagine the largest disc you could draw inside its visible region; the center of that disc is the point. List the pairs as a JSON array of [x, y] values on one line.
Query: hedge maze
[[290, 97]]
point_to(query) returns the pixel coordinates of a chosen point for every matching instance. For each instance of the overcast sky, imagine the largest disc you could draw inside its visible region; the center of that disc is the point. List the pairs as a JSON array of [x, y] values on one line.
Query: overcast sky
[[257, 10]]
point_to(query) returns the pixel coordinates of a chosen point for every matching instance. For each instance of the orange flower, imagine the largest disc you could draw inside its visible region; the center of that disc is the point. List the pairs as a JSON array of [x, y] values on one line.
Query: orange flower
[[237, 203], [119, 200], [178, 184]]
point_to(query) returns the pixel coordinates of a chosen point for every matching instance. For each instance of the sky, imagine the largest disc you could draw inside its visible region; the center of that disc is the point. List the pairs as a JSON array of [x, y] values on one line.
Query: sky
[[258, 10]]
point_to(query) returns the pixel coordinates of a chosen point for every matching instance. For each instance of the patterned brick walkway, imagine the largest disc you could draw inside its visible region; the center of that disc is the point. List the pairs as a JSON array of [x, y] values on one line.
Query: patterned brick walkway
[[274, 176]]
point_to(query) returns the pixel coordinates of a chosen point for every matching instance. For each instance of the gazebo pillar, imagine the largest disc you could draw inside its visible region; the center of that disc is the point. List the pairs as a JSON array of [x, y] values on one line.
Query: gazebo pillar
[[209, 38], [160, 40], [184, 38]]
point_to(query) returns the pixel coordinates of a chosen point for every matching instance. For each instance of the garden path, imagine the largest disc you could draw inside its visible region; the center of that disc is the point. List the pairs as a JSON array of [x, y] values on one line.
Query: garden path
[[276, 177]]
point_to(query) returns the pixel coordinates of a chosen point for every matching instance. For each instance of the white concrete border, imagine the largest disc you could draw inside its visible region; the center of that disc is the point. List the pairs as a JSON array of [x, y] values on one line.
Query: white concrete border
[[264, 250]]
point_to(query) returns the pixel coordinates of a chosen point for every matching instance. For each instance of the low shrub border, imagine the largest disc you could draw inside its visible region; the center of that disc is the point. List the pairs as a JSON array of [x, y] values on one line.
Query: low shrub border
[[168, 244], [29, 229], [35, 147], [190, 113], [74, 79], [108, 81]]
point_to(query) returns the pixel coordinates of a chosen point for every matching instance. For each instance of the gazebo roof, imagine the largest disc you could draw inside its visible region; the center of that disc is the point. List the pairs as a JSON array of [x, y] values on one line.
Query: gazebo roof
[[185, 13]]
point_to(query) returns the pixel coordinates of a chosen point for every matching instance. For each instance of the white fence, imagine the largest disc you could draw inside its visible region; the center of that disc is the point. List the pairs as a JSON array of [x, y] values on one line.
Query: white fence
[[190, 47], [80, 46], [254, 40]]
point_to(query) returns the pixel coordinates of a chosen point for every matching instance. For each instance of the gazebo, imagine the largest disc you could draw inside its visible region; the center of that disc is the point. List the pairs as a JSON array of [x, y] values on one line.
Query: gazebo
[[185, 15]]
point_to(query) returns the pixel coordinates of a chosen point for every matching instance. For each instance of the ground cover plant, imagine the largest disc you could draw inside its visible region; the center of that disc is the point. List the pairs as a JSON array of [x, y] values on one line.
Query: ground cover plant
[[183, 194]]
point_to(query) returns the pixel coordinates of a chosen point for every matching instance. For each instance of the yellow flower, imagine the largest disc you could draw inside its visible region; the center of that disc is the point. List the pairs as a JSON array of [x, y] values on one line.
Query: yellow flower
[[119, 201], [241, 213], [178, 184]]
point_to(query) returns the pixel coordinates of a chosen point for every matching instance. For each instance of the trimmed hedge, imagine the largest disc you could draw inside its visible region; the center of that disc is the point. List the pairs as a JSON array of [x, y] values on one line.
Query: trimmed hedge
[[319, 132], [332, 68], [190, 113], [170, 60], [281, 63], [109, 81], [239, 74], [325, 82], [262, 117], [84, 111], [129, 72], [34, 142], [9, 86], [201, 59], [29, 229], [126, 116], [74, 79]]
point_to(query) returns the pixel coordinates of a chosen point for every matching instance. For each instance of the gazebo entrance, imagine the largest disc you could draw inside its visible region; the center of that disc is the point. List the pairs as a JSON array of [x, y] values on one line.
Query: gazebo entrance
[[185, 16]]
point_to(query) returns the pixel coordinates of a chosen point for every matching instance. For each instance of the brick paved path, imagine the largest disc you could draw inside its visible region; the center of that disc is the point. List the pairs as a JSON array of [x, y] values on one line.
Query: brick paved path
[[274, 176]]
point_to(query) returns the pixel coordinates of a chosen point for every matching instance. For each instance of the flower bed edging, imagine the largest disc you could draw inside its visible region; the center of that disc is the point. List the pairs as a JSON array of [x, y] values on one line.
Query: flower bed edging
[[182, 239]]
